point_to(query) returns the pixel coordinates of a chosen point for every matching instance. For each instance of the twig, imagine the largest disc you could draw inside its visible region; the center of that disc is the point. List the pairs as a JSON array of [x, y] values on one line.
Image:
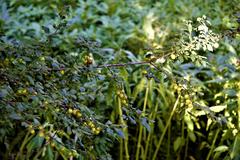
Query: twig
[[122, 64]]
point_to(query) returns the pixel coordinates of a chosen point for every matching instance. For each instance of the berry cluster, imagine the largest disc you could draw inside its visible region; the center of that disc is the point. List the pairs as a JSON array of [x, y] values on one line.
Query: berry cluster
[[188, 101], [92, 126], [123, 97], [87, 60], [178, 87], [75, 112]]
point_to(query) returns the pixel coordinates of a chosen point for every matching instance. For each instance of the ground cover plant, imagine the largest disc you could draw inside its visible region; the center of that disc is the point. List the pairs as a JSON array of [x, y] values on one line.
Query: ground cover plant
[[121, 80]]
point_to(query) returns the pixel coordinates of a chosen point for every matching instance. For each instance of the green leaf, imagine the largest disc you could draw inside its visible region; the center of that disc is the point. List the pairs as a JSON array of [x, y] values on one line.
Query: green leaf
[[236, 147], [192, 136], [177, 143], [15, 116], [49, 153], [222, 148], [139, 88], [35, 143], [189, 122], [217, 109]]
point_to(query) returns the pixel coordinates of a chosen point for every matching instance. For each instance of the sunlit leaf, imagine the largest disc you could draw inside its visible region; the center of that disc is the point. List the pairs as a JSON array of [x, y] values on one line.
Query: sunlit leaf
[[222, 148]]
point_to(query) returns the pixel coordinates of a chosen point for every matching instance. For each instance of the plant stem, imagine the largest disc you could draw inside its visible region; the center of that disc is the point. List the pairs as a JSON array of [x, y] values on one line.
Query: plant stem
[[38, 154], [186, 148], [152, 116], [165, 128], [13, 143], [121, 150], [238, 110], [26, 139], [169, 141], [140, 127], [124, 131], [213, 143]]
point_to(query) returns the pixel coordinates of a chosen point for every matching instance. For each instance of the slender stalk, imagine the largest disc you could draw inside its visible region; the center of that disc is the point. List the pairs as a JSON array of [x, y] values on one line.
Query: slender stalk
[[124, 131], [183, 137], [26, 139], [212, 146], [152, 116], [238, 109], [186, 148], [13, 143], [38, 154], [165, 128], [140, 127], [169, 141], [121, 150]]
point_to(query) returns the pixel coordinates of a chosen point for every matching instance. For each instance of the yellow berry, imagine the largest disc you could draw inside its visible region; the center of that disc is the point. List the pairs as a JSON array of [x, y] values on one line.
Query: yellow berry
[[94, 129], [188, 101], [90, 124], [118, 93], [40, 127], [47, 138], [70, 154], [121, 95], [53, 144], [179, 89], [97, 131], [124, 101], [42, 58], [173, 56], [41, 134], [32, 131], [70, 111], [186, 96], [79, 115], [175, 87], [24, 91], [144, 72], [62, 72], [75, 111]]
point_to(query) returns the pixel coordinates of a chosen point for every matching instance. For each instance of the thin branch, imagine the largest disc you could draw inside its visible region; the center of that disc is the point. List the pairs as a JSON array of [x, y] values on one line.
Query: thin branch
[[121, 64]]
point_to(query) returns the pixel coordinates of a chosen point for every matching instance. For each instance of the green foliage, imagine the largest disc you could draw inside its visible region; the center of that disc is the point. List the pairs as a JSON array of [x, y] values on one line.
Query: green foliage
[[119, 79]]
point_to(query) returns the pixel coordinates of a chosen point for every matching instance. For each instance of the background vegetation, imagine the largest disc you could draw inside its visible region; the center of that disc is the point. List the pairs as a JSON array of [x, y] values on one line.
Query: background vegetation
[[124, 79]]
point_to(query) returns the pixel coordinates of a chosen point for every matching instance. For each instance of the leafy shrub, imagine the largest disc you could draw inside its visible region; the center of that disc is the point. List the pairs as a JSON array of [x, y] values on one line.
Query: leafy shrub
[[71, 85]]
